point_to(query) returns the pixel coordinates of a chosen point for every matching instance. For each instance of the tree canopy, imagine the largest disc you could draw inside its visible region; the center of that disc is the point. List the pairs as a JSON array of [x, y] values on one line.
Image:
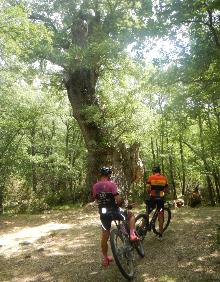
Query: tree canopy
[[82, 86]]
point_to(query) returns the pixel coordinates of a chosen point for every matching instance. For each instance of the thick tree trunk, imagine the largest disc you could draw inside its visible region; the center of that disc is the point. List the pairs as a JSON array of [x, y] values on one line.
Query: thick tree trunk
[[80, 86], [129, 167], [81, 91]]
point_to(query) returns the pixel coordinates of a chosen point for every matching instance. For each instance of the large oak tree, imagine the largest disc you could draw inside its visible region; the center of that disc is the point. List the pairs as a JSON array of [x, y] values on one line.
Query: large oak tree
[[88, 37]]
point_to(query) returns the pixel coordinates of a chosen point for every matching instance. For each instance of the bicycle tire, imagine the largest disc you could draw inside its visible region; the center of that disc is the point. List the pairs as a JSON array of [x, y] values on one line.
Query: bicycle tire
[[122, 253], [167, 218], [139, 247], [141, 225]]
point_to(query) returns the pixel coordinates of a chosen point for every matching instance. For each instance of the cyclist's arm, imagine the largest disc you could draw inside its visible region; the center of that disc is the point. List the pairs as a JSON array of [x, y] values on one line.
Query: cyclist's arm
[[166, 188], [119, 200], [148, 186], [117, 197]]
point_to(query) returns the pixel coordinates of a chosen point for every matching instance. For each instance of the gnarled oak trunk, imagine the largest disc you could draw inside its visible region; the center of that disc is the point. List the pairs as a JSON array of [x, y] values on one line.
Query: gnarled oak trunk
[[80, 86]]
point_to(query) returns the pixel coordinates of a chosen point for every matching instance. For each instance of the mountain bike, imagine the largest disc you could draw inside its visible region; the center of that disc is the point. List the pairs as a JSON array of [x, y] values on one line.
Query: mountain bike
[[123, 248], [142, 226]]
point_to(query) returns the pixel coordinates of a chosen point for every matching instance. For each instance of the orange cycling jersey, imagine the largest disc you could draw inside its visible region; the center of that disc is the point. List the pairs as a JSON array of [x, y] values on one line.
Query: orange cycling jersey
[[157, 183]]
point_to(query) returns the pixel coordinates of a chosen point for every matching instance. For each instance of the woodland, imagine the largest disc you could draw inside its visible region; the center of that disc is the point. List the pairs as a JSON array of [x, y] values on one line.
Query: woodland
[[121, 83]]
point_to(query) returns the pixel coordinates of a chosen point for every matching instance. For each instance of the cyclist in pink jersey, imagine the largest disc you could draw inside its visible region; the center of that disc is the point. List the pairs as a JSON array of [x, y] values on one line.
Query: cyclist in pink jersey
[[106, 194]]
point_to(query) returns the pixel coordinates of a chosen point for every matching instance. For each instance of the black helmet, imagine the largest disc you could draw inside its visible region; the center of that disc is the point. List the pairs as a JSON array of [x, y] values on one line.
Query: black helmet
[[156, 169], [105, 171]]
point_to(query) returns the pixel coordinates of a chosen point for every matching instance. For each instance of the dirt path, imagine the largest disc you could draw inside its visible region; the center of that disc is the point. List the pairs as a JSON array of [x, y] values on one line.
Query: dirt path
[[64, 246]]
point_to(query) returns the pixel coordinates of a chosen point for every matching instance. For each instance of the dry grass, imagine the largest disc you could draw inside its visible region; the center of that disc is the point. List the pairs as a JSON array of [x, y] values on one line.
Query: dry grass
[[64, 246]]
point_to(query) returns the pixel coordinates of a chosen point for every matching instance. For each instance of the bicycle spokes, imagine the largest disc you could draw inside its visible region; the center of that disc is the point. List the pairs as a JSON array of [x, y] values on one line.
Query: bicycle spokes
[[140, 226], [123, 253]]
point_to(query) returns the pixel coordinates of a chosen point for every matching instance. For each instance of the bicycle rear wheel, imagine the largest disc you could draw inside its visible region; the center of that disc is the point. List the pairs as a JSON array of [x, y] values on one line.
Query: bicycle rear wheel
[[141, 225], [123, 253], [166, 222]]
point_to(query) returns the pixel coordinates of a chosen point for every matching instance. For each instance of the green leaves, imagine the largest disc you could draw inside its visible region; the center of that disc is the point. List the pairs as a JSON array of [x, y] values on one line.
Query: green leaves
[[88, 33], [18, 34]]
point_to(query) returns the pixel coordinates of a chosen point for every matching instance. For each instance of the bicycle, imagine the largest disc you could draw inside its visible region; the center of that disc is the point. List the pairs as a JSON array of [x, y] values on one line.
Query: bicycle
[[123, 248], [142, 226]]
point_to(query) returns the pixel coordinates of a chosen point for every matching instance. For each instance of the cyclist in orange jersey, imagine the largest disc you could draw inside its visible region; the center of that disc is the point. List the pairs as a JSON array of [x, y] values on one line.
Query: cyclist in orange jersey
[[157, 186]]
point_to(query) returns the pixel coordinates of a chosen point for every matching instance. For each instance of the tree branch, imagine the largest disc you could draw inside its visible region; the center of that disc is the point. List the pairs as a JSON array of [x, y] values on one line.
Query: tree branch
[[48, 22], [197, 153], [212, 29]]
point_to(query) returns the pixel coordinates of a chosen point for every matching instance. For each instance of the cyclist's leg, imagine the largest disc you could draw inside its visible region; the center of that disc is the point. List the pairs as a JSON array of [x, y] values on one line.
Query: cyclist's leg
[[122, 215], [150, 205], [106, 226], [160, 208], [131, 219]]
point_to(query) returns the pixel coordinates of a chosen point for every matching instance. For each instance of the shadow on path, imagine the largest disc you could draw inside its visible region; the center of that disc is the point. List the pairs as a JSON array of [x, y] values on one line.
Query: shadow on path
[[64, 246]]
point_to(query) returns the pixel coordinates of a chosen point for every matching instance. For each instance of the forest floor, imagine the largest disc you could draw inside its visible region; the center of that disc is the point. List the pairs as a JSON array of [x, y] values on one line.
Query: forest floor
[[63, 245]]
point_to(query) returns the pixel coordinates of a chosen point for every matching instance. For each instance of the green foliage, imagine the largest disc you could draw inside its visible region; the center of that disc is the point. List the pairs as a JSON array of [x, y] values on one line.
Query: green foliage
[[34, 132], [172, 103], [18, 34], [89, 33], [125, 115]]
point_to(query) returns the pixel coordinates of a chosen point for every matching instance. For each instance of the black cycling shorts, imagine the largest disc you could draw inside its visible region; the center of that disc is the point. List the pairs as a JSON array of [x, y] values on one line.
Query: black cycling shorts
[[113, 214], [152, 203]]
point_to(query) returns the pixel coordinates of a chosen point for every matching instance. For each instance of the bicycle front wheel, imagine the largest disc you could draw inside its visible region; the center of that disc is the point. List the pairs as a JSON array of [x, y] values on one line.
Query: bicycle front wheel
[[166, 221], [123, 253], [139, 247]]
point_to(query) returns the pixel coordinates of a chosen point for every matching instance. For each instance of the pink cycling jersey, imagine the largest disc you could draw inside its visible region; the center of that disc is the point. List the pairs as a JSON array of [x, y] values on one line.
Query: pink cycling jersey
[[104, 186]]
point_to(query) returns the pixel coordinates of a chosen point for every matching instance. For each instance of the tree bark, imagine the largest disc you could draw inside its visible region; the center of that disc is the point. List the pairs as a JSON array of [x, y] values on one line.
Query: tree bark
[[80, 87], [128, 167], [217, 185], [33, 153], [157, 150], [183, 165], [215, 170], [206, 166], [172, 180], [162, 132], [1, 198], [152, 150]]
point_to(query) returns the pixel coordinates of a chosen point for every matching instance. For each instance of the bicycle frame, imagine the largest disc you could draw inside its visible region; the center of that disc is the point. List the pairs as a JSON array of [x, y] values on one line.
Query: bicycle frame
[[124, 253], [153, 219], [150, 224]]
